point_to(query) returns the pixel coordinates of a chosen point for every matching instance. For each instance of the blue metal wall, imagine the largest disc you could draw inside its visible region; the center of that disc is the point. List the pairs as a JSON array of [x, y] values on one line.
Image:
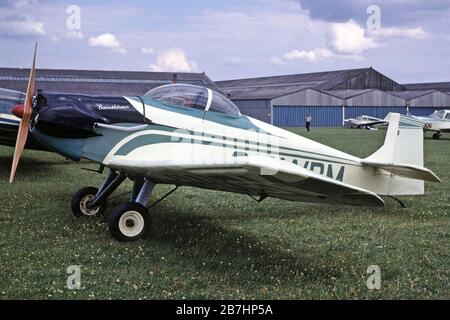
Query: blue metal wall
[[258, 109], [294, 116], [424, 111], [330, 116], [378, 112]]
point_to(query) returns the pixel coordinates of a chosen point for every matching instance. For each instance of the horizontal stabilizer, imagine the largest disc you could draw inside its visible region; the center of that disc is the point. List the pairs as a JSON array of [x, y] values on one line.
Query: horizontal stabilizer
[[405, 170]]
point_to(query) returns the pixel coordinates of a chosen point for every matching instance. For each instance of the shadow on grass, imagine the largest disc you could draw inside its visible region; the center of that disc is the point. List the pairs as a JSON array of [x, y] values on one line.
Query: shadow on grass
[[30, 163], [441, 138], [245, 260]]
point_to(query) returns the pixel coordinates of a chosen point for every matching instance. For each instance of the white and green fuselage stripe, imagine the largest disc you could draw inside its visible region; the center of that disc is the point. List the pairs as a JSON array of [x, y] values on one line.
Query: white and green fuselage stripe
[[213, 130]]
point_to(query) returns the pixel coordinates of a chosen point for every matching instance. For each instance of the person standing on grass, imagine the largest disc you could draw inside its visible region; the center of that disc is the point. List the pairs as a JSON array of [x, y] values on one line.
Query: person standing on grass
[[308, 121]]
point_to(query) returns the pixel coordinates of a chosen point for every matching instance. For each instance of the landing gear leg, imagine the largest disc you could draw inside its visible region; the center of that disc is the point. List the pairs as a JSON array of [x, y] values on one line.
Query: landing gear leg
[[90, 201], [436, 136], [399, 201], [111, 183], [131, 221]]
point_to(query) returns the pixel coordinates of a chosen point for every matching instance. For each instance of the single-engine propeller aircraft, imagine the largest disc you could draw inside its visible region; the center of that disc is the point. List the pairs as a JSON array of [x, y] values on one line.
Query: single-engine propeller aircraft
[[365, 122], [438, 122], [186, 135]]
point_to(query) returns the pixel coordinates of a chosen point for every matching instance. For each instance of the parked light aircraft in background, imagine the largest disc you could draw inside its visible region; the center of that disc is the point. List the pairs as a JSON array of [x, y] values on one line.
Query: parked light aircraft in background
[[437, 122], [186, 135], [366, 122]]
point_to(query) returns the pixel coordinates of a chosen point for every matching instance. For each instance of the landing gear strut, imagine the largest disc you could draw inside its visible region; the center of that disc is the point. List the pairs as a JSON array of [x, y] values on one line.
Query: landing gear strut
[[129, 221], [402, 205]]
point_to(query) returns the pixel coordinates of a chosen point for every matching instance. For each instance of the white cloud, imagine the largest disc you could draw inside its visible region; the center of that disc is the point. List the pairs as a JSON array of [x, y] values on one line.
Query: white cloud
[[349, 38], [415, 33], [233, 61], [108, 41], [311, 55], [173, 59], [22, 27], [274, 61], [147, 50], [17, 19]]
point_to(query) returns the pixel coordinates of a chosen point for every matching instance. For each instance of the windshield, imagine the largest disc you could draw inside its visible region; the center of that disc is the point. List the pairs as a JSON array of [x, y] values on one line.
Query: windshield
[[181, 95], [222, 104], [193, 97], [438, 114]]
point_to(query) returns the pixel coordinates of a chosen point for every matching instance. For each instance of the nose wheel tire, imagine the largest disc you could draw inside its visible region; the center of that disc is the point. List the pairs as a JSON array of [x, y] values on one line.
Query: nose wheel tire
[[80, 201], [436, 136], [129, 222]]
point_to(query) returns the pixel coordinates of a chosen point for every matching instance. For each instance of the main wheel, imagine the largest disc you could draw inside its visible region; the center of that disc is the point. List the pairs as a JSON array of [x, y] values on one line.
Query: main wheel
[[129, 222], [80, 201], [436, 136]]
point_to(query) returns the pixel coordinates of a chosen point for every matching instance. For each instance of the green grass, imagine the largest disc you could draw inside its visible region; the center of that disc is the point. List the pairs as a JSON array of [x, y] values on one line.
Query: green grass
[[208, 244]]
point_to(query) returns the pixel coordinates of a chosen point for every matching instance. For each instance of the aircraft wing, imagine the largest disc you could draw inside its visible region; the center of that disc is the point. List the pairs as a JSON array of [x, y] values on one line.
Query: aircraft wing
[[256, 175], [366, 123], [374, 123]]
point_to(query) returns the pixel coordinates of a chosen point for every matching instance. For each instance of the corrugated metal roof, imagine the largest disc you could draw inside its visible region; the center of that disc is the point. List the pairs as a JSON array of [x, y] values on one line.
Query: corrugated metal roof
[[345, 94], [409, 95], [319, 80], [440, 86], [97, 82], [277, 86], [261, 93]]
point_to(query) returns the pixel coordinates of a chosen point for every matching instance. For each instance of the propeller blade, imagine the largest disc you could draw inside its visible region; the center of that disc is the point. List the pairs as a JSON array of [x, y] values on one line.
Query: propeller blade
[[25, 121]]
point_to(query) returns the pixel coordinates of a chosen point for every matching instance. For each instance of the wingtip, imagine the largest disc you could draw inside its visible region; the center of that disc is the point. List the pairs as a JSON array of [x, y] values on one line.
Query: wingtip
[[437, 179]]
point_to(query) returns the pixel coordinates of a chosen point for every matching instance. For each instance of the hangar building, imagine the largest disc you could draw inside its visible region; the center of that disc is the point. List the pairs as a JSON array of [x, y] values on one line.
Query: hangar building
[[330, 97], [109, 83]]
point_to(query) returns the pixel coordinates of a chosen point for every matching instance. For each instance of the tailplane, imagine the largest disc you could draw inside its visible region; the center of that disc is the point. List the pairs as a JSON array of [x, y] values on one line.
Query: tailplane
[[402, 156]]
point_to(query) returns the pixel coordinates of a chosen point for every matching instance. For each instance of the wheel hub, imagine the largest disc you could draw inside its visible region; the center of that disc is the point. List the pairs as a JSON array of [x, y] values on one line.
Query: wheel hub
[[131, 223], [84, 205]]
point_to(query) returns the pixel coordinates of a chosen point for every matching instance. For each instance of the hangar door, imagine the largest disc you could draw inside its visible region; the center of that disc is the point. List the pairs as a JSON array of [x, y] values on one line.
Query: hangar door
[[294, 116], [377, 112]]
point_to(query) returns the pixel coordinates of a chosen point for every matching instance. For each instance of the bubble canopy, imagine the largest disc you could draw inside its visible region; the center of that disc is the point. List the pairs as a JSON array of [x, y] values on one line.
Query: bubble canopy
[[192, 96]]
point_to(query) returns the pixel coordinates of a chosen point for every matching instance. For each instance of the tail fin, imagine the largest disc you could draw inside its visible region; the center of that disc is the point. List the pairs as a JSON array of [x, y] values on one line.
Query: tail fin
[[402, 156]]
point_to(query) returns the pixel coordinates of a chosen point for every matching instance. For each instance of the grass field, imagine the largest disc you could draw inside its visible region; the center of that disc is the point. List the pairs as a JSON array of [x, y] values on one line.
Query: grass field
[[209, 244]]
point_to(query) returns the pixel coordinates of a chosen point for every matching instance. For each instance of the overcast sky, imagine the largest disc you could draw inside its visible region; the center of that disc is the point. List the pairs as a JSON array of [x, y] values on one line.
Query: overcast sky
[[408, 40]]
